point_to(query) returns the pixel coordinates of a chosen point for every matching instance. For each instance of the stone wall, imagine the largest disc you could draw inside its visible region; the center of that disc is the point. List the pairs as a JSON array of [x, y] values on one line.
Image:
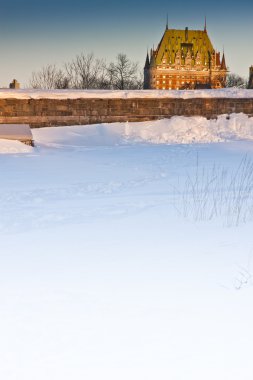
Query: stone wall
[[48, 112]]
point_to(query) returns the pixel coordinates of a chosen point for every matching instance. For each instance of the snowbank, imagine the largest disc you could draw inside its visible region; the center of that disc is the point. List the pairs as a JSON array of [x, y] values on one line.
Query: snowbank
[[106, 94], [177, 130], [13, 146]]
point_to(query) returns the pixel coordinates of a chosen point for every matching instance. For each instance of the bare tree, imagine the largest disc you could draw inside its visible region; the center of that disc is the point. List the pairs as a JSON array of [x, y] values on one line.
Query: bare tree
[[234, 80], [123, 74], [103, 80], [62, 81], [85, 71], [49, 77], [138, 84]]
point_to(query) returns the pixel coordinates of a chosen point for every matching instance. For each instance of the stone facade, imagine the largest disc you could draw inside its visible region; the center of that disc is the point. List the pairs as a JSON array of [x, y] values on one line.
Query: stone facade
[[184, 59], [48, 112]]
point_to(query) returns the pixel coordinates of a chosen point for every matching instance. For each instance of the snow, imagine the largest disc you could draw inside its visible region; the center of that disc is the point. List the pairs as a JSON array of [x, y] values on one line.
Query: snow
[[106, 271], [124, 94], [177, 130], [13, 147]]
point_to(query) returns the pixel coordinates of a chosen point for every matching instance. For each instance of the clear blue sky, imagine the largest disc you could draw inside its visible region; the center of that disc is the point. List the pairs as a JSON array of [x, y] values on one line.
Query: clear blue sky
[[35, 32]]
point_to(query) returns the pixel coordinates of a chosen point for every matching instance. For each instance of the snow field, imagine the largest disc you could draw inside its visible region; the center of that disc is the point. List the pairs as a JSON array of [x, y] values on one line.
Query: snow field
[[102, 272]]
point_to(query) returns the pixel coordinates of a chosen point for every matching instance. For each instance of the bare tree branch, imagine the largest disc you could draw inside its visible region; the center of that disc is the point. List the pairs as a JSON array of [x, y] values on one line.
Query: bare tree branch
[[87, 72], [49, 77], [123, 73]]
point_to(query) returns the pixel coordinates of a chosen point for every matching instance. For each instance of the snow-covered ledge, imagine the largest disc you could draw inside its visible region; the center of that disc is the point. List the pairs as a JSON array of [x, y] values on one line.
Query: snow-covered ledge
[[131, 94]]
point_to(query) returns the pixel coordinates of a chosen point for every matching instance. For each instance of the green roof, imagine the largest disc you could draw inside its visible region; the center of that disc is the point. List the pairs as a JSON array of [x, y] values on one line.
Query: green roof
[[175, 40]]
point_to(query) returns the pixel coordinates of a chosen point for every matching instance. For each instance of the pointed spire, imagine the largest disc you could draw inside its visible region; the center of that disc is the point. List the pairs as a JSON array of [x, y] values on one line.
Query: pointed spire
[[167, 22], [223, 62], [147, 63], [205, 25]]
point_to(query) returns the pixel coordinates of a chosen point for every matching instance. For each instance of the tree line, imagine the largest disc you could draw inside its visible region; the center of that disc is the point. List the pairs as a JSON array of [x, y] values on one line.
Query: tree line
[[236, 81], [86, 71]]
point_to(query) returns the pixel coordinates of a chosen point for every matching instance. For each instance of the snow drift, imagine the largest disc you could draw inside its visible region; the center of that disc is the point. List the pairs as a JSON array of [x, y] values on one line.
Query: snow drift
[[177, 130], [13, 147]]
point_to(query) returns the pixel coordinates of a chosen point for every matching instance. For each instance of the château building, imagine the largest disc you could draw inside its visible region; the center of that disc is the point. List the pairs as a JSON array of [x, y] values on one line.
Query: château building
[[184, 59]]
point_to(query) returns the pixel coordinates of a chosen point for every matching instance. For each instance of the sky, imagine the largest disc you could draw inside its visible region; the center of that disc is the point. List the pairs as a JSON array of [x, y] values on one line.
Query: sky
[[34, 33]]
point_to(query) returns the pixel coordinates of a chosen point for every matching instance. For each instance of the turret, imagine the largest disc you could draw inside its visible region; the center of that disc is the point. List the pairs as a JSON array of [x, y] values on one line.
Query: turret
[[218, 59], [147, 63], [152, 60], [223, 62], [147, 73]]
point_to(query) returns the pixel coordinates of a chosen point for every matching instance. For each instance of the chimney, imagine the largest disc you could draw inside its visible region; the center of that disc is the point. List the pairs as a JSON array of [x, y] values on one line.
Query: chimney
[[15, 85]]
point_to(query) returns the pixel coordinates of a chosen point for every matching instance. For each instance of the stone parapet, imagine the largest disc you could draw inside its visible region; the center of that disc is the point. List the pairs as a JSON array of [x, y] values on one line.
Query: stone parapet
[[52, 112]]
